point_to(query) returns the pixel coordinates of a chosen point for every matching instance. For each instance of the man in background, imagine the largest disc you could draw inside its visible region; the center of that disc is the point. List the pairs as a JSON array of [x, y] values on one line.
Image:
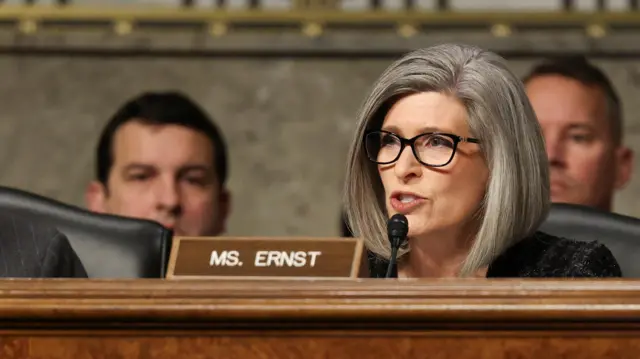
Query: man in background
[[581, 118], [161, 158]]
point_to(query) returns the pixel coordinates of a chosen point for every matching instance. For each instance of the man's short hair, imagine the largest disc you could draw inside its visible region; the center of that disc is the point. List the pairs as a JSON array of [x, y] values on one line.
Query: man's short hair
[[578, 68], [161, 108]]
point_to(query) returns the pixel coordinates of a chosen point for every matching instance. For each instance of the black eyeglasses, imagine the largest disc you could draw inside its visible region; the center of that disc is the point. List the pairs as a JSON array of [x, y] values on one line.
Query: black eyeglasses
[[433, 149]]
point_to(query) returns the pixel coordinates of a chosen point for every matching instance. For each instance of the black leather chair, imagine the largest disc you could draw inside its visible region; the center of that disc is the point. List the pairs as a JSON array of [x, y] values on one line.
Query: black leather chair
[[108, 246], [621, 234]]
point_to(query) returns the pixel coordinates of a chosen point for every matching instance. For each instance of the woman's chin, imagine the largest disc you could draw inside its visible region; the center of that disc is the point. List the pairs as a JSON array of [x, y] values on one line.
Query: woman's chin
[[417, 232], [417, 225]]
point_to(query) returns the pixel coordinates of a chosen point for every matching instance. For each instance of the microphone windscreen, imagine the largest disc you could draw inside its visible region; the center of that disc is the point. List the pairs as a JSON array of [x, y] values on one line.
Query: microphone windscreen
[[398, 226]]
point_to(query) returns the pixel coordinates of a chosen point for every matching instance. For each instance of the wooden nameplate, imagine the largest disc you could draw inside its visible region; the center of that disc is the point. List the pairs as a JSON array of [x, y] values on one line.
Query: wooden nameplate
[[265, 257]]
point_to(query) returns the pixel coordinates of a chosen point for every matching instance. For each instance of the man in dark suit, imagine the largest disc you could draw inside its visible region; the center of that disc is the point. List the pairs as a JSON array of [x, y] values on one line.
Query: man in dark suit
[[35, 250], [581, 118]]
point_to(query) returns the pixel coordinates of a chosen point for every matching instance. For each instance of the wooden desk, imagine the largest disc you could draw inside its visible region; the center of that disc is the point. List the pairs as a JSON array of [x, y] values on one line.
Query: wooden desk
[[322, 319]]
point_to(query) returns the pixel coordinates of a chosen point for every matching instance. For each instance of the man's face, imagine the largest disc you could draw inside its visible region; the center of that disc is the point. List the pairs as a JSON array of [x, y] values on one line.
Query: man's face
[[164, 173], [586, 164]]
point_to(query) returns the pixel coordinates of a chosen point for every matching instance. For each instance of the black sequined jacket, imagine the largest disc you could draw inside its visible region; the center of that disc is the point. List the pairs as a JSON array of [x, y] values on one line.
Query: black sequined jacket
[[541, 255]]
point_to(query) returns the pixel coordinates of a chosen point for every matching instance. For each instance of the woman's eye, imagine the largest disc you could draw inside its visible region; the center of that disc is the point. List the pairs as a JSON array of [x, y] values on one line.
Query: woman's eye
[[387, 140], [437, 141]]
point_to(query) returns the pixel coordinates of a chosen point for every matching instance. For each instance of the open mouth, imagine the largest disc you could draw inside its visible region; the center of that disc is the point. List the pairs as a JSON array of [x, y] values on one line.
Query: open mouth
[[404, 202]]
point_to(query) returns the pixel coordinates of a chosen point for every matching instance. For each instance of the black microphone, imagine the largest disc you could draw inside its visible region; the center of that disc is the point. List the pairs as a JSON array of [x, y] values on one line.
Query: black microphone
[[397, 229]]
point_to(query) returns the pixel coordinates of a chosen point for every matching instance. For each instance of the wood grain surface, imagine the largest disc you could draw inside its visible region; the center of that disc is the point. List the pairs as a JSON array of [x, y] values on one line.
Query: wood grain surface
[[320, 319]]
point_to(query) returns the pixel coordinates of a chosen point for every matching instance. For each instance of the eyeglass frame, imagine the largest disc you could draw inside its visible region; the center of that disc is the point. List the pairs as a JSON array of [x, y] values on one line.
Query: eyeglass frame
[[411, 143]]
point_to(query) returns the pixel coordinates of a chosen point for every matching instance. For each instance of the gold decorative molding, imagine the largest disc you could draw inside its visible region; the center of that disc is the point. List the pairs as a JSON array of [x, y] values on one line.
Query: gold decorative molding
[[319, 11], [312, 29], [218, 28], [501, 30], [123, 27], [407, 30], [596, 31], [28, 26], [312, 17], [316, 4]]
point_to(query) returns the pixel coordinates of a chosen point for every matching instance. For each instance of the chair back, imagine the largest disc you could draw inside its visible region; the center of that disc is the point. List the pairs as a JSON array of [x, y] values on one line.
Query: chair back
[[621, 234], [108, 246]]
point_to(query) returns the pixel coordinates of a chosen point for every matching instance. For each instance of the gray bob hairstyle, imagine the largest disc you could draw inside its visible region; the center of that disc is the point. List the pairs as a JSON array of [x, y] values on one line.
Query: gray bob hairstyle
[[516, 200]]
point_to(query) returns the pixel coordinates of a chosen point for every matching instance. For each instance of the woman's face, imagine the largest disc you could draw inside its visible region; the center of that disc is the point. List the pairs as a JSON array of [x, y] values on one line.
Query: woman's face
[[434, 199]]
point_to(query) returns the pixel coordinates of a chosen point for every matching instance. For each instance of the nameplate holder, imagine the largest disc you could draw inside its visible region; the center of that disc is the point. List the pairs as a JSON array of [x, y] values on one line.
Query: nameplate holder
[[265, 258]]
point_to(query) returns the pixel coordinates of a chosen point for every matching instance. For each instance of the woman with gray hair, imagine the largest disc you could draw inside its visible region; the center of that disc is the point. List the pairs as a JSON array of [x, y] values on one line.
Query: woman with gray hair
[[447, 137]]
